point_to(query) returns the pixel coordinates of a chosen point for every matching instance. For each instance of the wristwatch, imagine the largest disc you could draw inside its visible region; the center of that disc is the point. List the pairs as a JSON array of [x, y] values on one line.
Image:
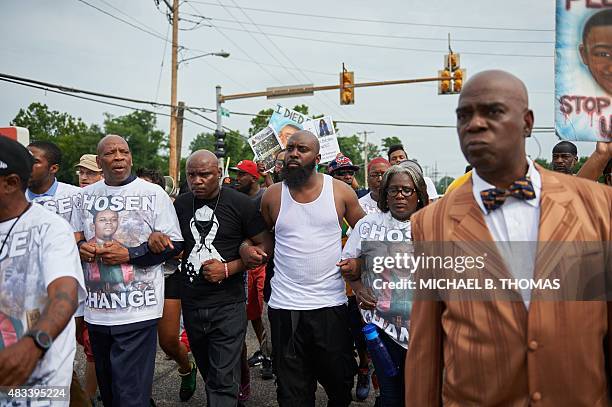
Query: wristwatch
[[41, 339]]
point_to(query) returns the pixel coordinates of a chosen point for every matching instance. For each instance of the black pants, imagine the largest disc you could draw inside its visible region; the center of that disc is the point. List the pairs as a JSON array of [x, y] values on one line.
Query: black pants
[[357, 324], [125, 362], [216, 337], [311, 346]]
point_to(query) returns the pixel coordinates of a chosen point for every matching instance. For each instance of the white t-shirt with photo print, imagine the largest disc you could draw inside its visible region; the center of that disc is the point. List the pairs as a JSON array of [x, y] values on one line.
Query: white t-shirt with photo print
[[62, 202], [124, 294], [39, 249]]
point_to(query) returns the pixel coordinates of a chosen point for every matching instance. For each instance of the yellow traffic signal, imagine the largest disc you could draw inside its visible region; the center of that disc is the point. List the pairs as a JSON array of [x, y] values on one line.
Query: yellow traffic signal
[[444, 86], [458, 80], [453, 72], [347, 91], [453, 61]]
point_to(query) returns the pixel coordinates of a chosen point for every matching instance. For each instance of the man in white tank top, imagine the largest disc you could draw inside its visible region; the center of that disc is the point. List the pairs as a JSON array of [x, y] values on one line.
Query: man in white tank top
[[311, 338]]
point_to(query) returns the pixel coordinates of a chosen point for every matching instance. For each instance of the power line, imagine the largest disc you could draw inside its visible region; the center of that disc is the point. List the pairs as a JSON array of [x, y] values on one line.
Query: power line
[[192, 111], [542, 129], [367, 20], [239, 47], [378, 46], [161, 66], [284, 55], [130, 17], [373, 35], [46, 89], [274, 57], [87, 92], [154, 34]]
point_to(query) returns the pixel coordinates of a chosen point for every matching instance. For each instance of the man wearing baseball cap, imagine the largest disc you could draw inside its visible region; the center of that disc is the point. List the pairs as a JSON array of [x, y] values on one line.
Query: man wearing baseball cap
[[342, 169], [247, 179], [37, 343], [88, 170]]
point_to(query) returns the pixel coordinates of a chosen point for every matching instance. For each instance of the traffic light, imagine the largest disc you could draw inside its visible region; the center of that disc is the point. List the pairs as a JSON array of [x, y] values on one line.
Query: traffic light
[[347, 91], [458, 80], [220, 143], [454, 73], [444, 86]]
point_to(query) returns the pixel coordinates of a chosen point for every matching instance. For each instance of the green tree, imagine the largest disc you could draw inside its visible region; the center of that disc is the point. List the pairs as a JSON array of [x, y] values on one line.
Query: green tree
[[236, 146], [548, 165], [544, 163], [388, 142], [443, 183], [353, 147], [73, 136], [149, 145]]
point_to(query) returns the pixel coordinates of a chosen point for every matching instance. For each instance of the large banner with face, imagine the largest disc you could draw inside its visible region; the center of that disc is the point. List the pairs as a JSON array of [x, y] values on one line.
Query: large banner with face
[[583, 70]]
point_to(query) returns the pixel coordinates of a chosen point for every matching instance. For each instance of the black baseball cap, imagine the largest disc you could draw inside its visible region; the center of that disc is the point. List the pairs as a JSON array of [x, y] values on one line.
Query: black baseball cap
[[15, 159]]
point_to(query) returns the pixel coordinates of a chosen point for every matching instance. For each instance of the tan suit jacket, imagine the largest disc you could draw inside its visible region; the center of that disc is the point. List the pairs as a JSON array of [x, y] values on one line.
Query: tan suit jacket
[[477, 353]]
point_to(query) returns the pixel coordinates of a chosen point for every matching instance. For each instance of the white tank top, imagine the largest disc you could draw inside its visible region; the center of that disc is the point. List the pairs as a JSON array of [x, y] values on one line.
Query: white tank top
[[308, 246]]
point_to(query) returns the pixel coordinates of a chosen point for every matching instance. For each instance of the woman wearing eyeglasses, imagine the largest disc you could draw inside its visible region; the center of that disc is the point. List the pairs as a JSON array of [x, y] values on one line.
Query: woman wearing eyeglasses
[[401, 193]]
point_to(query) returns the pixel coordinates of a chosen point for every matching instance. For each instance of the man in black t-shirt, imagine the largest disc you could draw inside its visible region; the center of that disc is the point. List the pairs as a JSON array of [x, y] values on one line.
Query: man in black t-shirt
[[215, 222]]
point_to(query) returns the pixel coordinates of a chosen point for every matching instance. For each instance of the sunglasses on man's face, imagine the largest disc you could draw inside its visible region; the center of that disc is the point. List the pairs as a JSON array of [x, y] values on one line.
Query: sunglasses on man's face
[[344, 173]]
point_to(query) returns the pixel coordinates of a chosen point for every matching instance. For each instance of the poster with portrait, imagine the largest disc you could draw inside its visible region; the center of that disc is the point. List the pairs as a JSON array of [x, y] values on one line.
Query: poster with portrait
[[265, 146], [285, 122], [324, 129], [583, 70]]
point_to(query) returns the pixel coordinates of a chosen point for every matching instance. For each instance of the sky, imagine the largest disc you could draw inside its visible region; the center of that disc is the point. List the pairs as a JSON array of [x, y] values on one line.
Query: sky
[[280, 43]]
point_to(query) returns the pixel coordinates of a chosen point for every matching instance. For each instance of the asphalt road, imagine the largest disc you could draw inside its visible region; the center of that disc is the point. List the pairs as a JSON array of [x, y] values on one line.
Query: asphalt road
[[166, 383]]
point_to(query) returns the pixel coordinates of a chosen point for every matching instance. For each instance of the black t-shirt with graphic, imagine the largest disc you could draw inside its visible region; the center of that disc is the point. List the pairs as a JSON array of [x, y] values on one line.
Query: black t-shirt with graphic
[[214, 234]]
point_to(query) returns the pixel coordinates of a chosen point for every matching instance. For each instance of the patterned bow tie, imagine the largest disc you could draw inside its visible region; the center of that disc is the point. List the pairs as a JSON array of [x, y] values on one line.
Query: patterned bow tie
[[495, 197]]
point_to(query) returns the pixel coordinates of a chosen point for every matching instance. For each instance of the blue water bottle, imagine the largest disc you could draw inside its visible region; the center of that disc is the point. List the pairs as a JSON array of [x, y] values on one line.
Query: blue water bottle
[[378, 351]]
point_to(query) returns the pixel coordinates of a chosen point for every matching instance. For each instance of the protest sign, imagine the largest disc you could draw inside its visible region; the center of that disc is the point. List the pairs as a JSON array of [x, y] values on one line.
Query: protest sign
[[324, 129], [583, 70], [285, 122], [265, 146]]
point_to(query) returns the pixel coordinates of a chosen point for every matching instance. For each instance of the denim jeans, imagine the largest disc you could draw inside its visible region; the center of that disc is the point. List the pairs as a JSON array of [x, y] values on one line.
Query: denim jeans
[[391, 388]]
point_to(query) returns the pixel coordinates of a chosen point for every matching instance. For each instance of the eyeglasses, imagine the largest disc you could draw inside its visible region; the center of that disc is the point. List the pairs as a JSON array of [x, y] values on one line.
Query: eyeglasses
[[406, 191], [376, 175], [87, 173], [279, 163], [344, 173]]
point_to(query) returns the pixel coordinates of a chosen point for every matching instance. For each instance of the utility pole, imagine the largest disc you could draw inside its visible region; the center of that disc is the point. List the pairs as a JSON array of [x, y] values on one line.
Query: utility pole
[[174, 154], [179, 139], [219, 133], [365, 155]]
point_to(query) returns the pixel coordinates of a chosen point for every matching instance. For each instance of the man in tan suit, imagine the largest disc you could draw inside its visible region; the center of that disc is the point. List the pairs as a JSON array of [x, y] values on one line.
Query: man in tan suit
[[510, 353]]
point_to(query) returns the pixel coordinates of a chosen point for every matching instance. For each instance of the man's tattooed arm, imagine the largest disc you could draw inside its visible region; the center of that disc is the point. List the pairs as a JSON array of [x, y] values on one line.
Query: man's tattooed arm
[[61, 306], [19, 360]]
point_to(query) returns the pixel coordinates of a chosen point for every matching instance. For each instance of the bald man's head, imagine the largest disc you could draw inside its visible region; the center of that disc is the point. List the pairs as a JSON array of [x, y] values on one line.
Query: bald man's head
[[203, 156], [493, 119], [110, 138], [306, 137], [115, 159], [301, 158], [498, 80], [203, 174]]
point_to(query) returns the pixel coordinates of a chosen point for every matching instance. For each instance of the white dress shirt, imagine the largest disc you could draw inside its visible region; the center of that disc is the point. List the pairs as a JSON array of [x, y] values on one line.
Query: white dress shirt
[[512, 225]]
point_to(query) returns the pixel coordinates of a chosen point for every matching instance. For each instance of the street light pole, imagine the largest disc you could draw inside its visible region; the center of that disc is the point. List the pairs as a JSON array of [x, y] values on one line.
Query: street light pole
[[173, 164], [219, 133], [221, 54]]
